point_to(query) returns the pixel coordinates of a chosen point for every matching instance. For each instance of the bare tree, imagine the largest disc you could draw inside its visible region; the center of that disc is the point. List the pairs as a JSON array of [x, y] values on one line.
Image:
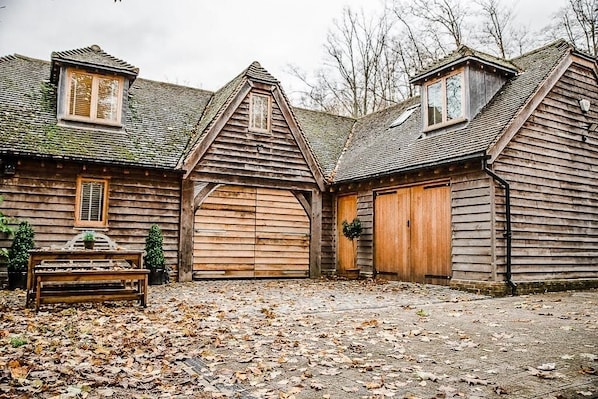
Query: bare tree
[[361, 73], [442, 16], [578, 21], [496, 24]]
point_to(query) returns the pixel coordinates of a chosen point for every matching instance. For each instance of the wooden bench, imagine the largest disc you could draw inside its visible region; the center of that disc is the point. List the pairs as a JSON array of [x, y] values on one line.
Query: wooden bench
[[77, 275]]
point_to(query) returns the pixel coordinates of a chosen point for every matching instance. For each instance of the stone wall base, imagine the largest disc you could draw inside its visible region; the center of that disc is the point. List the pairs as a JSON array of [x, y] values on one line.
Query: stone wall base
[[523, 287]]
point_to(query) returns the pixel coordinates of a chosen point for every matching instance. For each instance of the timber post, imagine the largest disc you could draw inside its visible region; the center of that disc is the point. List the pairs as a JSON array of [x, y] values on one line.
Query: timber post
[[315, 243], [186, 233]]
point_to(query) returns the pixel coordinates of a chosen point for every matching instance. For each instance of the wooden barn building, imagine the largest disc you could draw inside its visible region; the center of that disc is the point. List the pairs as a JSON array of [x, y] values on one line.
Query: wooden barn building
[[487, 181]]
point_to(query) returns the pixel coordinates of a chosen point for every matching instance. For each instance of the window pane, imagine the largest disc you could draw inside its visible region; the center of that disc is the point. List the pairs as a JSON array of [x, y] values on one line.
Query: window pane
[[92, 201], [259, 112], [80, 95], [107, 99], [454, 108], [434, 95]]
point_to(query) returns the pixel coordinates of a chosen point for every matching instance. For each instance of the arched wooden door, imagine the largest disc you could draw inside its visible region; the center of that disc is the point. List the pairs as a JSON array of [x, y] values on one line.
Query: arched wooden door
[[250, 232]]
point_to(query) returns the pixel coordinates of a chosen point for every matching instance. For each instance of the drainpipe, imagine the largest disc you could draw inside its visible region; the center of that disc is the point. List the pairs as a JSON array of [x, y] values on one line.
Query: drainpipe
[[508, 233]]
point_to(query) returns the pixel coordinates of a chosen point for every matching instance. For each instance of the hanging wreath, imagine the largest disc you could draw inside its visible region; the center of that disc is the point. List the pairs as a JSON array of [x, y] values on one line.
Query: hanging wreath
[[352, 230]]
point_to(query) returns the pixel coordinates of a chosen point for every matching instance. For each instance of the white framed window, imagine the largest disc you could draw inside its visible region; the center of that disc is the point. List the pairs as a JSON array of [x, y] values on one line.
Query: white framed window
[[91, 204], [444, 98], [93, 98], [259, 112]]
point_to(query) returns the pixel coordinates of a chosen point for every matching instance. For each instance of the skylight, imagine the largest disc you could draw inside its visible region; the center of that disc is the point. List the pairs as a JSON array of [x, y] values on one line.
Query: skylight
[[403, 117]]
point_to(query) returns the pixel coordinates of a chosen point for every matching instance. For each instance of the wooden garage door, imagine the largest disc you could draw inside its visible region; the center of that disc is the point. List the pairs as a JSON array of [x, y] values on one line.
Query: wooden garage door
[[412, 233], [251, 232]]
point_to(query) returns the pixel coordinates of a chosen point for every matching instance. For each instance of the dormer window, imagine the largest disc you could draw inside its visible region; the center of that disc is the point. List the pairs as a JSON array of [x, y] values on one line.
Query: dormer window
[[93, 98], [259, 112], [444, 100]]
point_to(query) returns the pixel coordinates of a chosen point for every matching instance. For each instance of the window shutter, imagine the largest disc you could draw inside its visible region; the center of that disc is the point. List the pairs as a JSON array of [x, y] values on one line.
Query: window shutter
[[92, 201], [80, 94]]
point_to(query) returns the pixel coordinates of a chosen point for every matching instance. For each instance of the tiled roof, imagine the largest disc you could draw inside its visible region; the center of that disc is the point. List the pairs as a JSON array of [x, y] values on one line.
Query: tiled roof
[[158, 120], [327, 135], [463, 54], [94, 56], [164, 122], [376, 149]]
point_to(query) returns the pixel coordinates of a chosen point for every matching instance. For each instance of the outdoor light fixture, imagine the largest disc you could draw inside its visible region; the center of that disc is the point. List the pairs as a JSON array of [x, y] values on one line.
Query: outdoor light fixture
[[584, 105], [10, 168]]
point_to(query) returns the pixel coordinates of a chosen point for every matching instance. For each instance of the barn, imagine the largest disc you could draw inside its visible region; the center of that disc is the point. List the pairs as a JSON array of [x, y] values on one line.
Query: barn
[[486, 181]]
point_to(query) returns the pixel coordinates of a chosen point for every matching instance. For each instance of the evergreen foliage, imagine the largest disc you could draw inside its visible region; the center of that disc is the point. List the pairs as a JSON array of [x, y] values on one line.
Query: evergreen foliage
[[18, 254], [352, 230], [154, 253]]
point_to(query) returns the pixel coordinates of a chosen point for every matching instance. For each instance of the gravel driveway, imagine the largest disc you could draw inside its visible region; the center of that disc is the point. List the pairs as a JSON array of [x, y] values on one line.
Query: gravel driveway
[[304, 339]]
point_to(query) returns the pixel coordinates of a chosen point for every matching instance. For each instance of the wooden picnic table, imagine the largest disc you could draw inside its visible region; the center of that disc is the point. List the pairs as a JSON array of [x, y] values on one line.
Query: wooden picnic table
[[78, 275]]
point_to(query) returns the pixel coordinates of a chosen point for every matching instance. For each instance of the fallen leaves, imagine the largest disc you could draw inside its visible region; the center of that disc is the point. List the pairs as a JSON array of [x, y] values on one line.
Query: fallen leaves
[[273, 339]]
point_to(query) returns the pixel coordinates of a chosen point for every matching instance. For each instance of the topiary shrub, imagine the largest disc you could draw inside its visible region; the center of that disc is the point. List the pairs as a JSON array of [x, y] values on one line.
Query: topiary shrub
[[18, 253], [154, 256], [352, 230], [154, 253]]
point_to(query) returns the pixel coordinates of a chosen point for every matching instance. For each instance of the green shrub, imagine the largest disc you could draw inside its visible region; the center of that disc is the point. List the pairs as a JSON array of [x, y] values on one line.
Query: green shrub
[[154, 253], [352, 230], [18, 254]]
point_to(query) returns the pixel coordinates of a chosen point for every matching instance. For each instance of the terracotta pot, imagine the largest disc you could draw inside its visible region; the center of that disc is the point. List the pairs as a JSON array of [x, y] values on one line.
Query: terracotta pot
[[352, 274]]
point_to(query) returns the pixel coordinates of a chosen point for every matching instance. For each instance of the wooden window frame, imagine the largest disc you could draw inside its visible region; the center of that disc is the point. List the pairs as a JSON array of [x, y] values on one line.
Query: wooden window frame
[[91, 223], [268, 116], [445, 121], [92, 118]]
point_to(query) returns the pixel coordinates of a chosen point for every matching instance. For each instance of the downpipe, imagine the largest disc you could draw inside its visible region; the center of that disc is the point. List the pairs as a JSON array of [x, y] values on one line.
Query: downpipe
[[508, 232]]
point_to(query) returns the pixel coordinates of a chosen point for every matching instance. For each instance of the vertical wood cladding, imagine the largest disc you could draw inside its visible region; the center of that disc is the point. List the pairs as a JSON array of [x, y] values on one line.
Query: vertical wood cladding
[[241, 153], [551, 165], [43, 193]]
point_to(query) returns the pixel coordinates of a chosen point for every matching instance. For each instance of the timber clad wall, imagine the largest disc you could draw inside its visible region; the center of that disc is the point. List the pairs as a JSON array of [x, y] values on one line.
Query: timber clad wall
[[365, 213], [553, 172], [472, 221], [238, 154], [43, 193], [328, 263]]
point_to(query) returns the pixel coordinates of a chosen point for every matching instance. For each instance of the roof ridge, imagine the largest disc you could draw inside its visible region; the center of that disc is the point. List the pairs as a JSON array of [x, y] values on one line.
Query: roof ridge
[[556, 43], [174, 85], [94, 48], [8, 57], [324, 112]]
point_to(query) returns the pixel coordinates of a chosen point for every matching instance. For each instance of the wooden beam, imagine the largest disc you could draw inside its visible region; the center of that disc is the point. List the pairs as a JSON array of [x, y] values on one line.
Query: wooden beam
[[315, 243], [202, 194], [186, 231], [303, 201]]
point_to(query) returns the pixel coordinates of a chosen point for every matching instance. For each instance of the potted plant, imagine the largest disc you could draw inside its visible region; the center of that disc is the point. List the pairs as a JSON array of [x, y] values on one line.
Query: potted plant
[[5, 232], [89, 239], [18, 256], [154, 256], [352, 230]]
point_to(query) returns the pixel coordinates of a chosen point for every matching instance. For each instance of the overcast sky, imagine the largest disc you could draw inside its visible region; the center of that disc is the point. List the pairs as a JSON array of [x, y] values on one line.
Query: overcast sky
[[200, 43]]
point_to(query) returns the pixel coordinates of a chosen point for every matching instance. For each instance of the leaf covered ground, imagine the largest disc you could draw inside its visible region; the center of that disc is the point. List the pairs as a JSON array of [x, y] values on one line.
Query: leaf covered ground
[[303, 339]]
